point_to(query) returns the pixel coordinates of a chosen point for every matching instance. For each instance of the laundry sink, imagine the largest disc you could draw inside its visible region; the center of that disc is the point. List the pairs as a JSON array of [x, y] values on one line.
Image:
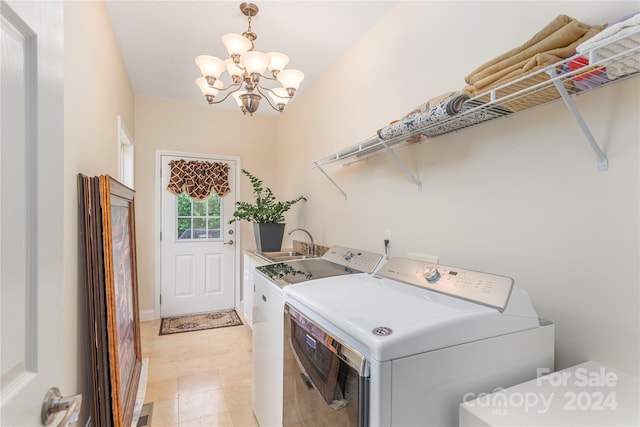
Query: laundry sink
[[281, 256]]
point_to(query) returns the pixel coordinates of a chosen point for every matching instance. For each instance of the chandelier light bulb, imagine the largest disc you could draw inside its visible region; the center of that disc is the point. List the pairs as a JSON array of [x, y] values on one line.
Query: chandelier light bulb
[[277, 62], [254, 61], [290, 79], [208, 91], [236, 44], [234, 71], [210, 66]]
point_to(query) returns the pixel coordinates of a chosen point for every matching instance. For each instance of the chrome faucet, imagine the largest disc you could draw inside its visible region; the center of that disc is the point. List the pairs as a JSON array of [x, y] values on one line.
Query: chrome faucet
[[311, 251]]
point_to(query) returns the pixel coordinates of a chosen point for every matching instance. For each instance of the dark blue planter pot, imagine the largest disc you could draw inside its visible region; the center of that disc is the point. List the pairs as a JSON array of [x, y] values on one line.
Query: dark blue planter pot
[[268, 236]]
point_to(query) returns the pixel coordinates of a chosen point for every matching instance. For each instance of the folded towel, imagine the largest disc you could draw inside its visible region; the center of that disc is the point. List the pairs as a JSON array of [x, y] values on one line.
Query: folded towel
[[553, 26], [621, 28], [526, 65], [614, 40], [537, 62], [557, 35]]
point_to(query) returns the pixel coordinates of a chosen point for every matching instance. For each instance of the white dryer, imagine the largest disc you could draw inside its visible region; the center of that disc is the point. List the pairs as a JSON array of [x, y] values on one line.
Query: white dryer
[[403, 347]]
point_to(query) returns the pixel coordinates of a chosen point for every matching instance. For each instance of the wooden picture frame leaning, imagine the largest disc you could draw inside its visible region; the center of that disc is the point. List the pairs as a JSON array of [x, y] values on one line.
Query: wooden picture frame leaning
[[123, 320], [90, 227]]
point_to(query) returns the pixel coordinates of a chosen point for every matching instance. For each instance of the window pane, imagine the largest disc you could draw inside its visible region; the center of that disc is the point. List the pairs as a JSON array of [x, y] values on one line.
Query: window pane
[[184, 228], [214, 223], [199, 228], [214, 205], [214, 228], [184, 205], [200, 208]]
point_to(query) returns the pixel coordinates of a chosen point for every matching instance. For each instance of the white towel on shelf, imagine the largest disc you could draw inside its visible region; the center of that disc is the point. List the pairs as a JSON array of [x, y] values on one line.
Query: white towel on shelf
[[613, 40], [613, 31]]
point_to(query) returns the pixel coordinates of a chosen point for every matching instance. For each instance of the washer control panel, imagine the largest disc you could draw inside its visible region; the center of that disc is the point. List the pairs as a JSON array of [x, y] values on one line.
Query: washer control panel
[[355, 258], [488, 289]]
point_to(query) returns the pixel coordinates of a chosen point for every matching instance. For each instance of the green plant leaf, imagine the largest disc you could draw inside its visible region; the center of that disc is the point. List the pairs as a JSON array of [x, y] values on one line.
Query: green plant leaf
[[265, 209]]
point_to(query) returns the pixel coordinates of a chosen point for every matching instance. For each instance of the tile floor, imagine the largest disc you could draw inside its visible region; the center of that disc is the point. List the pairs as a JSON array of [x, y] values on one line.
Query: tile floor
[[200, 378]]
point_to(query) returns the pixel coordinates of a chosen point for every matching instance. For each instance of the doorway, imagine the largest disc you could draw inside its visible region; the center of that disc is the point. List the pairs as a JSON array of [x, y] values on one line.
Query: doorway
[[199, 253]]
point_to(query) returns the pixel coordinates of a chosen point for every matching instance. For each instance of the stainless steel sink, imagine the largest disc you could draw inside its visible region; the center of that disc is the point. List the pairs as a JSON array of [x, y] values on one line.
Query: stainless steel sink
[[281, 254], [290, 258], [284, 256]]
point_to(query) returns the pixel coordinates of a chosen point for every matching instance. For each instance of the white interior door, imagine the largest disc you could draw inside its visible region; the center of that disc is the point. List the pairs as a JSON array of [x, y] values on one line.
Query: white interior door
[[31, 206], [198, 248]]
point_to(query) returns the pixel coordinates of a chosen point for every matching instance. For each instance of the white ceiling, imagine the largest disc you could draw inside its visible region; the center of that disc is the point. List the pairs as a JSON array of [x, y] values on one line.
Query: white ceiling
[[159, 40]]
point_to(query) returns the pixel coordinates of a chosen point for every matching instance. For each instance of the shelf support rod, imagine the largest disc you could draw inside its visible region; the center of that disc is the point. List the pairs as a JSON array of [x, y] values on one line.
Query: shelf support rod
[[404, 166], [332, 181], [603, 162]]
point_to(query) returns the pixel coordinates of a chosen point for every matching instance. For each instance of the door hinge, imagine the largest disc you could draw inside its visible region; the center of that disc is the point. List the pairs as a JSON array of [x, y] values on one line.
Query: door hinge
[[160, 299], [161, 236]]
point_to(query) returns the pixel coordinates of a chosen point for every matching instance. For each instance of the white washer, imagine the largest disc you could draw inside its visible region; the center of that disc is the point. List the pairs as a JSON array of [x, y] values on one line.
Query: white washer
[[267, 321], [426, 336]]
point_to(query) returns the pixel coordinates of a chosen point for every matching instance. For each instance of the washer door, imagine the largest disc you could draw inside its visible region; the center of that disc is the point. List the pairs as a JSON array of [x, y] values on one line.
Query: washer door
[[323, 381]]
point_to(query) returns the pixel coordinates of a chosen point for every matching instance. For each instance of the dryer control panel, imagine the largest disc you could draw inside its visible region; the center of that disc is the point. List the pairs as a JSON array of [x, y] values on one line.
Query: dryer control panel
[[488, 289], [355, 258]]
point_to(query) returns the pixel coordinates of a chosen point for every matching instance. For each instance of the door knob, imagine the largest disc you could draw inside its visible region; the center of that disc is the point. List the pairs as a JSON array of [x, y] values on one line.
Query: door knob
[[230, 242], [54, 402]]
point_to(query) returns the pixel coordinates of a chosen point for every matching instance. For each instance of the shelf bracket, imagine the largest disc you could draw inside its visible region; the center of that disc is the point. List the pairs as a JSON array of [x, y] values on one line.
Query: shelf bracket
[[603, 162], [335, 184], [415, 179]]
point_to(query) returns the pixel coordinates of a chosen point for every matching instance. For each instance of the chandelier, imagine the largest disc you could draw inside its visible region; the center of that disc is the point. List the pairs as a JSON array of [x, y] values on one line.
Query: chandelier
[[247, 70]]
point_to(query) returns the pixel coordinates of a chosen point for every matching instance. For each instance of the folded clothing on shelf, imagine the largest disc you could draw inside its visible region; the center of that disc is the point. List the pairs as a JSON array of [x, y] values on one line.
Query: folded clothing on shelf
[[554, 43], [583, 76], [619, 37], [558, 38]]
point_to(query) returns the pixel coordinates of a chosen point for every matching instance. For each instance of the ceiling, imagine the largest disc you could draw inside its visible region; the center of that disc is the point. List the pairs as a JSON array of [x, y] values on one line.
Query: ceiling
[[159, 40]]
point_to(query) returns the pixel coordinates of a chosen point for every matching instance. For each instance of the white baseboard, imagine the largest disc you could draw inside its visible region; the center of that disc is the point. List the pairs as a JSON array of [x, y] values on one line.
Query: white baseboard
[[148, 315]]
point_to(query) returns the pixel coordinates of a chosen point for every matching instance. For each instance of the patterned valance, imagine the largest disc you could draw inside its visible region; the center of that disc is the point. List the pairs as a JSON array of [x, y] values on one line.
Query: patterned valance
[[198, 179]]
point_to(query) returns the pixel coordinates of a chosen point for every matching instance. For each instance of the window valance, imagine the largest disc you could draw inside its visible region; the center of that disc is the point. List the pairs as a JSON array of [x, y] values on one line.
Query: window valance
[[198, 178]]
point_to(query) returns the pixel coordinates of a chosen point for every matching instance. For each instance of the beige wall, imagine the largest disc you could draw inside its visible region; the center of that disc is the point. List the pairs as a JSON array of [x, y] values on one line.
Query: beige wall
[[97, 90], [201, 129], [519, 196]]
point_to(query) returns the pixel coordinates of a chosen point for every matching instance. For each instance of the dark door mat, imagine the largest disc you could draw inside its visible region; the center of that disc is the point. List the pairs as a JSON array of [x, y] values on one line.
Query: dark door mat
[[145, 415], [199, 322]]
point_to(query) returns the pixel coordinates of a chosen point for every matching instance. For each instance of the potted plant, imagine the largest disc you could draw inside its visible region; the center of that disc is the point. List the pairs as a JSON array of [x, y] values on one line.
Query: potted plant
[[266, 214]]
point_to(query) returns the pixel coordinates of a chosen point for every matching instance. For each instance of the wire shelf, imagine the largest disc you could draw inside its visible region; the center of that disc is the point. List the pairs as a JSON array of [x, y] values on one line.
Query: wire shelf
[[561, 80]]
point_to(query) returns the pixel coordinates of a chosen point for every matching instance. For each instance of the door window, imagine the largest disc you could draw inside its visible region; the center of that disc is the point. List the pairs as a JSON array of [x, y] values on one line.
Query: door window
[[198, 220]]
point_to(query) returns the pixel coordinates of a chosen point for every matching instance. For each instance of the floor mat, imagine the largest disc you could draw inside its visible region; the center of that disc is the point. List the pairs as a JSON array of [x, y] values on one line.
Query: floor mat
[[145, 415], [198, 322]]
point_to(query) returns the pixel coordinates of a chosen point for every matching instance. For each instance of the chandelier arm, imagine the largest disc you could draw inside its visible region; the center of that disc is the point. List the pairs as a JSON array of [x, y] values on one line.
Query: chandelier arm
[[230, 85], [229, 93], [266, 97], [266, 76], [272, 91]]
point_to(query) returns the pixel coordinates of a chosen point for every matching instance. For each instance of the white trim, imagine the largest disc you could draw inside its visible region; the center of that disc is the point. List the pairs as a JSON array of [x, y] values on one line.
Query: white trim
[[158, 226], [147, 315], [125, 144]]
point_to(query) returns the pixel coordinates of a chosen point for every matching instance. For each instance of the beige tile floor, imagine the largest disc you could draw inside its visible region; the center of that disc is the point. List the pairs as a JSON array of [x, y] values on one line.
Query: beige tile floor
[[200, 378]]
